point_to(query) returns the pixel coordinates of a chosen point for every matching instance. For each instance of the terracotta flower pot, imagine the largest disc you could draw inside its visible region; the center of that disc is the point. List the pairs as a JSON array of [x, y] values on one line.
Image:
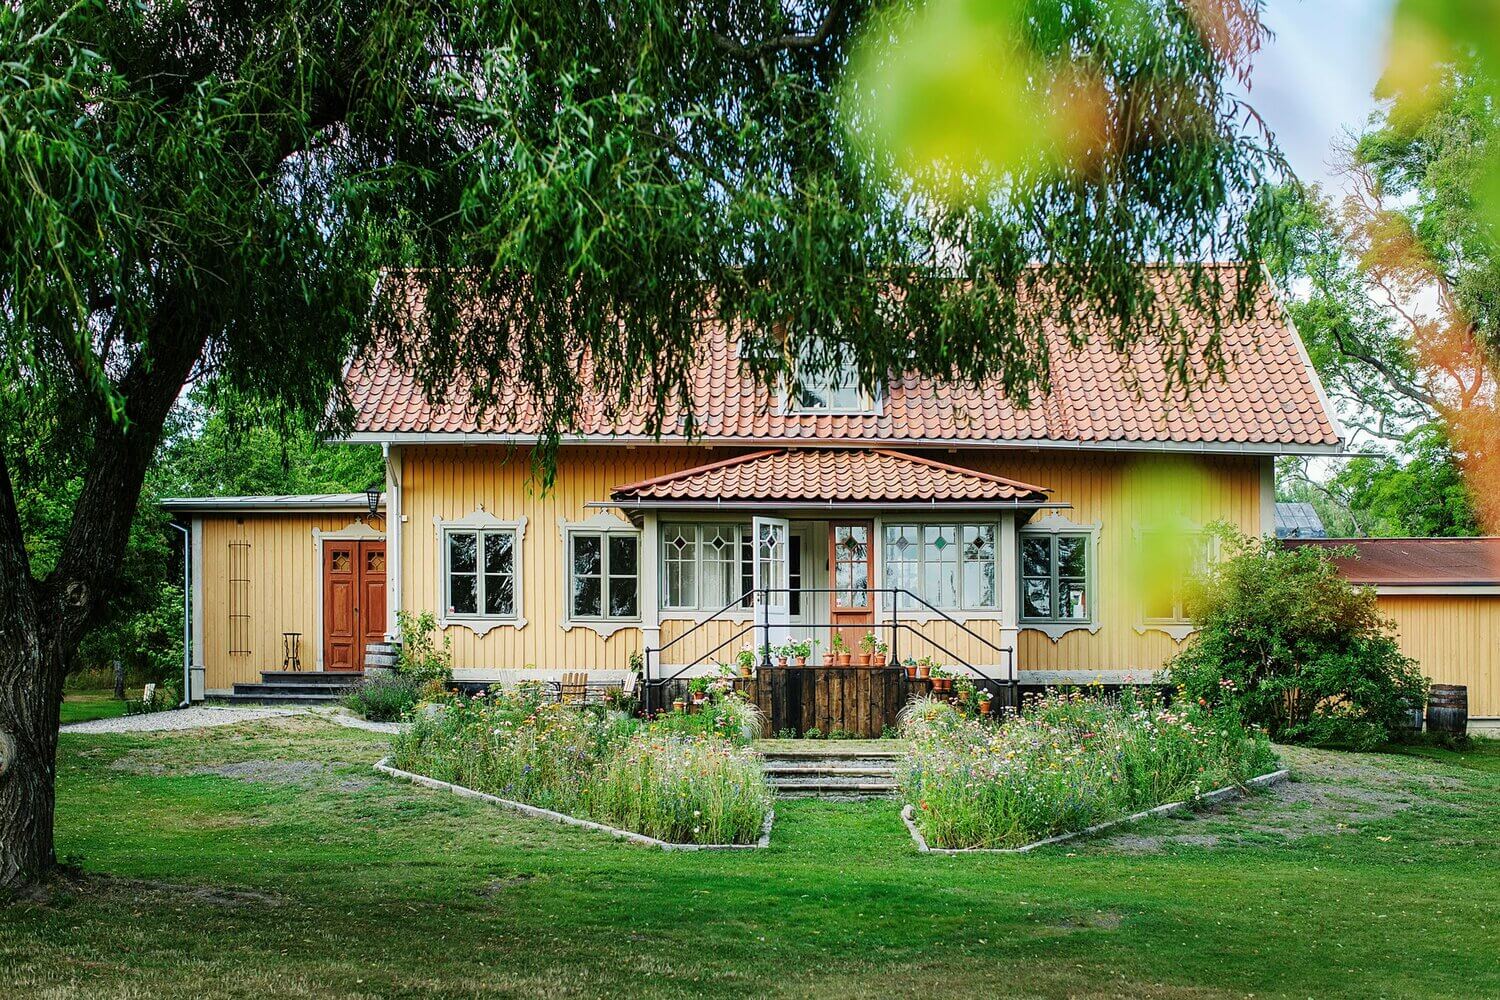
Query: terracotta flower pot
[[827, 659], [862, 660], [799, 661], [923, 671], [877, 659], [984, 707], [679, 705], [781, 661], [747, 671], [841, 659], [911, 671]]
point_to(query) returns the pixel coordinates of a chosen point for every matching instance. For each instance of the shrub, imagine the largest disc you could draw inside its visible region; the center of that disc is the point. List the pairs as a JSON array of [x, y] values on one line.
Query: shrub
[[1295, 648], [383, 698], [679, 778], [422, 658], [1066, 763]]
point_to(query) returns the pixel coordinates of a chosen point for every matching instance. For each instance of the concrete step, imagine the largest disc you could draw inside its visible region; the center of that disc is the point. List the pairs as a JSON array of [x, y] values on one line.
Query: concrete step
[[289, 677], [281, 699], [332, 690], [833, 789], [831, 753], [828, 770]]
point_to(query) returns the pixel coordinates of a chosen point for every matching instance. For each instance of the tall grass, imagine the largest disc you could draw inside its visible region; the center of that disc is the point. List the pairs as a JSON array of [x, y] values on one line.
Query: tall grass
[[595, 764], [1067, 762]]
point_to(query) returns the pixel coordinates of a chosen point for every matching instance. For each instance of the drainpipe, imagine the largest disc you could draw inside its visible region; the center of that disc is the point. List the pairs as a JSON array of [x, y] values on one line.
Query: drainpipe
[[187, 616]]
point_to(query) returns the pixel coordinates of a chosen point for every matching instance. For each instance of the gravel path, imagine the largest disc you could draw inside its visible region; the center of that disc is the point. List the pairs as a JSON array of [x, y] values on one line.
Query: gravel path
[[197, 717]]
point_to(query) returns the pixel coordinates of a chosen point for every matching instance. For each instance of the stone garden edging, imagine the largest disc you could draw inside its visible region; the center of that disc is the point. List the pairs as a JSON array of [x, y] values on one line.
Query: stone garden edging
[[1207, 798], [384, 767]]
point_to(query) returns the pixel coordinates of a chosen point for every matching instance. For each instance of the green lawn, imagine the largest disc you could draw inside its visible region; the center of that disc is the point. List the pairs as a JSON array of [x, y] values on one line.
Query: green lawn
[[85, 706], [267, 860]]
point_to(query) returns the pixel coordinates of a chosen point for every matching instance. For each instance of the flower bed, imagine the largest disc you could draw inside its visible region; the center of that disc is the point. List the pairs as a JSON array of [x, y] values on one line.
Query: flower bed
[[1066, 763], [592, 763]]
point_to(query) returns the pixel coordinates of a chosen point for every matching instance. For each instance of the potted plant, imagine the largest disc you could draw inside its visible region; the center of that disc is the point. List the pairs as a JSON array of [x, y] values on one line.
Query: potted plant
[[745, 660], [679, 704], [963, 687], [924, 668], [698, 689], [942, 681], [984, 703], [783, 654], [866, 648], [879, 653], [801, 651], [911, 668], [840, 650]]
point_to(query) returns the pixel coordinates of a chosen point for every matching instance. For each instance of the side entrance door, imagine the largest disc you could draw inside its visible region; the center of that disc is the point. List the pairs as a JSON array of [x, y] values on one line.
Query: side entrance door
[[851, 556], [353, 601]]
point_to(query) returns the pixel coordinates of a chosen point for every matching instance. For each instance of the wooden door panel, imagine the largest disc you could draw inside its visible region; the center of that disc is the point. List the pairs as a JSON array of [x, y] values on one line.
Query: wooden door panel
[[371, 596], [340, 596], [851, 566]]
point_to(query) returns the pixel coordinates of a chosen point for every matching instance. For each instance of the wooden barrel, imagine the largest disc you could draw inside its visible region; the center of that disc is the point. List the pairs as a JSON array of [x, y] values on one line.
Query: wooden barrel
[[1448, 710]]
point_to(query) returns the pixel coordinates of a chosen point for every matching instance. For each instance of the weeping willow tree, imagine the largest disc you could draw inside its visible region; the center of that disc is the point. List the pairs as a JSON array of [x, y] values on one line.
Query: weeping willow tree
[[208, 193]]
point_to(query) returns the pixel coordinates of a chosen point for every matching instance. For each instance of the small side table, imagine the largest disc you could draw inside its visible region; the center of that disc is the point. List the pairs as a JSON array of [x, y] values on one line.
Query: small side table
[[291, 651]]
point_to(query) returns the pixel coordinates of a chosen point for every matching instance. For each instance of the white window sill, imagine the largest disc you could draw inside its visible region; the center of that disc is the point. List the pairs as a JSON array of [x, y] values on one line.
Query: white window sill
[[1177, 630], [1056, 630], [480, 625]]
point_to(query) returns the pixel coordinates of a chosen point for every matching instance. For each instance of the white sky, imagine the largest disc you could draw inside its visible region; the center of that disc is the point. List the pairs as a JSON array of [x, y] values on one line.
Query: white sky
[[1313, 79]]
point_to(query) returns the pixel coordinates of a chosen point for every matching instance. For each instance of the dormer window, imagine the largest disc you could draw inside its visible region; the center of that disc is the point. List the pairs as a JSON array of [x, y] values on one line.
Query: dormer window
[[827, 380]]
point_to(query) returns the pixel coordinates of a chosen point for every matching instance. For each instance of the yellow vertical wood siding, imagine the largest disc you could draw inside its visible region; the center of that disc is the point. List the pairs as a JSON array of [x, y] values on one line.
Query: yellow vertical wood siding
[[1455, 639], [451, 482], [283, 595]]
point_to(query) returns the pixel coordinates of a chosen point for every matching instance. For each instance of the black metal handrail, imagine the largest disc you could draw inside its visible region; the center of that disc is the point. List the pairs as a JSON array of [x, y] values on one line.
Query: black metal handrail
[[895, 625]]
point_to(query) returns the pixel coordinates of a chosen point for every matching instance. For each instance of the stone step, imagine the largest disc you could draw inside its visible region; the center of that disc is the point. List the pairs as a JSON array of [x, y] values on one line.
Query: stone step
[[298, 677], [281, 698], [330, 690], [833, 789], [831, 753], [829, 770]]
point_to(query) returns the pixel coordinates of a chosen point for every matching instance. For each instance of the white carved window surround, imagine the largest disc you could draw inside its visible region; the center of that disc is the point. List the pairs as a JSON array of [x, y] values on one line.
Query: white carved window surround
[[1058, 575], [480, 585], [602, 570], [1179, 552]]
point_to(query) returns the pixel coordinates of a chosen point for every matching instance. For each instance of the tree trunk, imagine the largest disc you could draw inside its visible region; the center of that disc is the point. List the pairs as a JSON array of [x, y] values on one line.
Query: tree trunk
[[31, 675]]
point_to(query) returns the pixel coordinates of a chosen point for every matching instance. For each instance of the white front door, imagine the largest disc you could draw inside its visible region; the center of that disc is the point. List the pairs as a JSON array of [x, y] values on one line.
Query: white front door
[[771, 574]]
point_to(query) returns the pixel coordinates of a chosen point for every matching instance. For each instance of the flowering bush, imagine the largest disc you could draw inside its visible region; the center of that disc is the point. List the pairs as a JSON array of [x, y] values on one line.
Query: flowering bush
[[1067, 762], [702, 787]]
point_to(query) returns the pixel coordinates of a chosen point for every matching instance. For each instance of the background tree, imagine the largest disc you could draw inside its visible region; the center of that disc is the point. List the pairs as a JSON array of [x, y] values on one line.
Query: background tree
[[208, 192]]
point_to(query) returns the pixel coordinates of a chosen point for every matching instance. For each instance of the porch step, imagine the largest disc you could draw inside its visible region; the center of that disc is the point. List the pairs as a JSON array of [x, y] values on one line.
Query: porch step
[[829, 771], [291, 687]]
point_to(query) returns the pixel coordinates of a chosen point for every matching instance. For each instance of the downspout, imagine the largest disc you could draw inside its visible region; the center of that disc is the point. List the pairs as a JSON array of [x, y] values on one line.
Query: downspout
[[187, 616]]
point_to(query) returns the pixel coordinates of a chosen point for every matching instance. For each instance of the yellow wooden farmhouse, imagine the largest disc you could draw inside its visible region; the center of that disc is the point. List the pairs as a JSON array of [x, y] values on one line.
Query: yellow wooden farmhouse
[[1013, 544]]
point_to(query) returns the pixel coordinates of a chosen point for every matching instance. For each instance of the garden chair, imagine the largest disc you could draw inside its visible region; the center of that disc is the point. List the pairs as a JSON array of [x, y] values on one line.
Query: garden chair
[[575, 688]]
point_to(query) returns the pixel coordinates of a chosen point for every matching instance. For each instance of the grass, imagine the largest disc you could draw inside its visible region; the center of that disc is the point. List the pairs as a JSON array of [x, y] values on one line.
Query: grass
[[85, 706], [267, 859]]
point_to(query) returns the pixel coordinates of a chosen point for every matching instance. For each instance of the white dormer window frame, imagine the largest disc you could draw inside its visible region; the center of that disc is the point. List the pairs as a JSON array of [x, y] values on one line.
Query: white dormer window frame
[[835, 391]]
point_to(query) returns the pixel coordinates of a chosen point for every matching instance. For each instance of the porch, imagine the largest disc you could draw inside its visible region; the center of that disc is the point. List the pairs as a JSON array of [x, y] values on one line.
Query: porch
[[825, 553]]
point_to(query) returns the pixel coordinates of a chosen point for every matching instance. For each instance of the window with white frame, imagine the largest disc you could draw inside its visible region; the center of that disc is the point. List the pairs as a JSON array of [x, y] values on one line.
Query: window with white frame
[[826, 380], [701, 565], [604, 575], [1172, 559], [480, 577], [1056, 569], [950, 566]]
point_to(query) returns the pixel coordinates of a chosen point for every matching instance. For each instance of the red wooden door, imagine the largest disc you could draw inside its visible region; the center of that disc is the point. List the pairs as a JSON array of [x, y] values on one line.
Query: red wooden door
[[851, 557], [353, 601]]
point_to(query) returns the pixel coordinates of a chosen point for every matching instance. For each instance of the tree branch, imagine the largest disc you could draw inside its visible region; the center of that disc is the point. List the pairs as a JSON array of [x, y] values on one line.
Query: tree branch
[[754, 50]]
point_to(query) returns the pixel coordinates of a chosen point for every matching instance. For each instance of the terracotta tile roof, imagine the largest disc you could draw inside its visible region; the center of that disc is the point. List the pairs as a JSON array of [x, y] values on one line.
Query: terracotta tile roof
[[1269, 396], [820, 475], [1416, 562]]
